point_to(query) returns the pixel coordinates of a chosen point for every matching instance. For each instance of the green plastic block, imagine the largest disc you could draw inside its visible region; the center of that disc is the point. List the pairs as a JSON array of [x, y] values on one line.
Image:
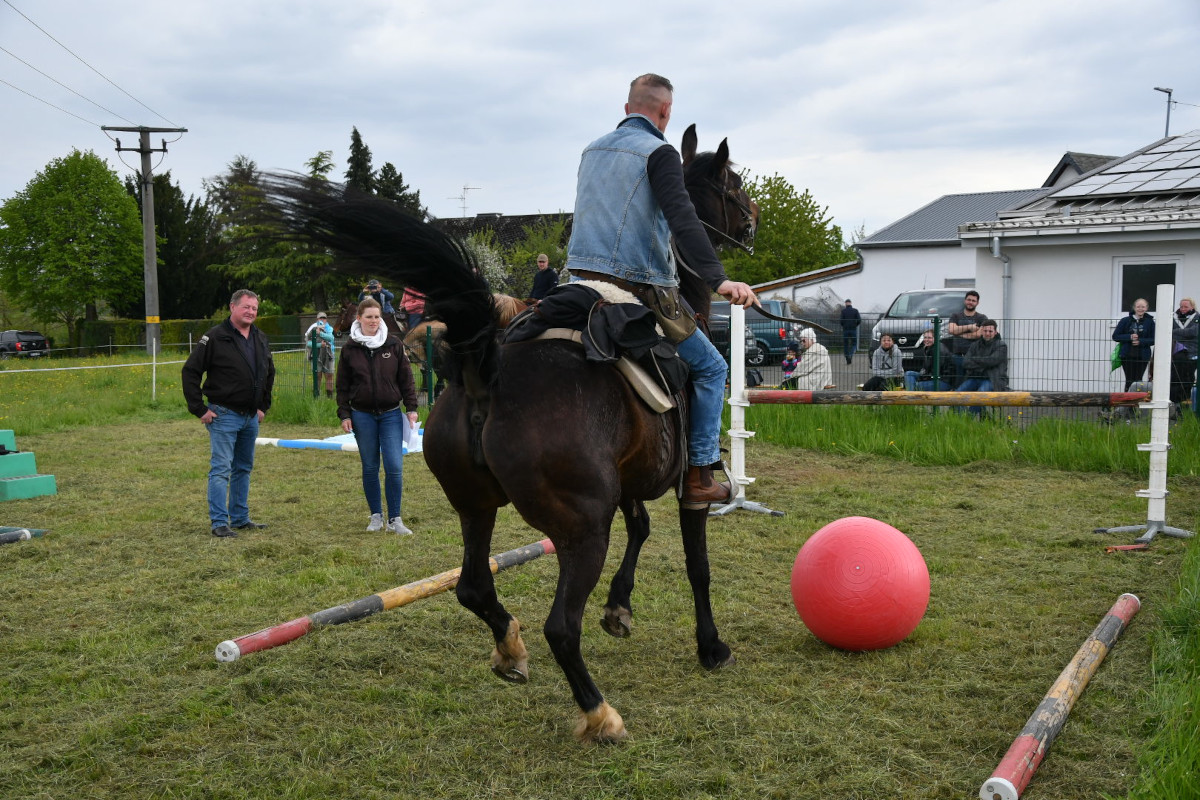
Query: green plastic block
[[8, 439], [28, 486], [17, 465]]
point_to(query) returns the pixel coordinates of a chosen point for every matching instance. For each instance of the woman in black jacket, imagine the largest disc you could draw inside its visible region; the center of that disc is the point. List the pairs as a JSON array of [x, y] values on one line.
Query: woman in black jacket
[[375, 392], [1135, 335]]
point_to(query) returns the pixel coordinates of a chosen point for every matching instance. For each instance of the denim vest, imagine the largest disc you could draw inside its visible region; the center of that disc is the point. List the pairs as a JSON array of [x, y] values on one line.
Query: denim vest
[[618, 228]]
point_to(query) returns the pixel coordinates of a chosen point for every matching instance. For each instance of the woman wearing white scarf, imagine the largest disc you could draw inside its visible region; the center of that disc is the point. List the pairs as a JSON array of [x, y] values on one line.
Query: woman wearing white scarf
[[375, 391]]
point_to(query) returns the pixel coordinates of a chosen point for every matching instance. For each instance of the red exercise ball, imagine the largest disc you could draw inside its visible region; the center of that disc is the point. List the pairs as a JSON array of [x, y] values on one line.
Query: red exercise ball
[[860, 584]]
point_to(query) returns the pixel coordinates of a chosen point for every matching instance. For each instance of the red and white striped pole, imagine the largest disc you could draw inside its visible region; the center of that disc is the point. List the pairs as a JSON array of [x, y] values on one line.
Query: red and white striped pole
[[233, 649], [1029, 748]]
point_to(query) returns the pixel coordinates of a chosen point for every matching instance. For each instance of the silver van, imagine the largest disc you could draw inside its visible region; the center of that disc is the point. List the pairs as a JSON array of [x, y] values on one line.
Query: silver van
[[911, 314]]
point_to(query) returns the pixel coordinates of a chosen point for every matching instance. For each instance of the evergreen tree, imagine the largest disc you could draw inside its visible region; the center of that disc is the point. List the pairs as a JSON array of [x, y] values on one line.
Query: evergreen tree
[[359, 172], [69, 241], [188, 243], [390, 185]]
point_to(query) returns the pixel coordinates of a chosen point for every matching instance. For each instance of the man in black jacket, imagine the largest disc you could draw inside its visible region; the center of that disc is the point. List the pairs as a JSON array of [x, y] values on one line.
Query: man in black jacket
[[236, 360]]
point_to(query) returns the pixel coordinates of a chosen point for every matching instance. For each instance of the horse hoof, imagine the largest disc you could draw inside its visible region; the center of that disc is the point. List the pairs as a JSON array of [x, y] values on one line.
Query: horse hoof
[[715, 661], [617, 622], [512, 674], [602, 725]]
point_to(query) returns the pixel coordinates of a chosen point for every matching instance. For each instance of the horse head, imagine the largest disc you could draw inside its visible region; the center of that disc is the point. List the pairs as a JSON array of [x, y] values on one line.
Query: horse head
[[724, 208]]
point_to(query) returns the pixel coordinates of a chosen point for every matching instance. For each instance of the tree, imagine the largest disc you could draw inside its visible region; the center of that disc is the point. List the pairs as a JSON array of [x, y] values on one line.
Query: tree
[[548, 235], [294, 275], [390, 185], [188, 244], [795, 235], [71, 240], [359, 173]]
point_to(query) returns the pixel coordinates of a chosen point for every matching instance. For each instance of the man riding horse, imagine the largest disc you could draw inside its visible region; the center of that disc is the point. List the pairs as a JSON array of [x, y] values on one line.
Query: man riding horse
[[630, 198]]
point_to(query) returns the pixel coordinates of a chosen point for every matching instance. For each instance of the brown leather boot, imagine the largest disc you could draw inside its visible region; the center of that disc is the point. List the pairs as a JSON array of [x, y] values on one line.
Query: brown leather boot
[[699, 487]]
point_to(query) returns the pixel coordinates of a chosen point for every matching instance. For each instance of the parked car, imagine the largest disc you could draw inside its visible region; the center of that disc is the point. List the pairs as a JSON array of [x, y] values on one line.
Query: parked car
[[22, 343], [766, 339], [911, 314]]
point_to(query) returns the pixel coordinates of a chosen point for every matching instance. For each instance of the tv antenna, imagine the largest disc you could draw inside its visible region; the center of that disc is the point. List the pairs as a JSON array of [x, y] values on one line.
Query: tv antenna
[[462, 198]]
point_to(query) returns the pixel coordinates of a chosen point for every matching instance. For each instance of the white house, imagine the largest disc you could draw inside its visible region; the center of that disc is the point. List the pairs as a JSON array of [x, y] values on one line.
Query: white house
[[1085, 251]]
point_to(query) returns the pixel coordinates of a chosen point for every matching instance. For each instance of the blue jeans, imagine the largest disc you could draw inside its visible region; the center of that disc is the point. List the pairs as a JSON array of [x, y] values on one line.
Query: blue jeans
[[707, 397], [381, 434], [975, 385], [231, 436], [913, 383], [849, 343]]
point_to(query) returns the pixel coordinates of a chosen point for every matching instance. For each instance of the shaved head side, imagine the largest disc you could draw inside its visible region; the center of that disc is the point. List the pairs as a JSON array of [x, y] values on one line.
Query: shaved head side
[[649, 91]]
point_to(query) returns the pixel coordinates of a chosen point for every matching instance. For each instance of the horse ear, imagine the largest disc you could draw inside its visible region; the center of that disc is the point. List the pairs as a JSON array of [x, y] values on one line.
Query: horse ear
[[721, 159], [689, 144]]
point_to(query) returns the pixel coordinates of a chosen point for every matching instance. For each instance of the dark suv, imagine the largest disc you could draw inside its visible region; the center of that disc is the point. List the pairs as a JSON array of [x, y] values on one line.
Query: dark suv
[[911, 314], [22, 343], [766, 339]]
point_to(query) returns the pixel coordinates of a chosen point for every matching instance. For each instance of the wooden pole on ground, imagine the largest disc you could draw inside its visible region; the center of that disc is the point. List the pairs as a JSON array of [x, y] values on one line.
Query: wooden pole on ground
[[1029, 748], [233, 649]]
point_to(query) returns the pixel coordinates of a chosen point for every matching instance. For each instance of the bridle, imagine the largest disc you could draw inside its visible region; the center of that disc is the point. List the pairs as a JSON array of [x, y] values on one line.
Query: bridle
[[732, 196]]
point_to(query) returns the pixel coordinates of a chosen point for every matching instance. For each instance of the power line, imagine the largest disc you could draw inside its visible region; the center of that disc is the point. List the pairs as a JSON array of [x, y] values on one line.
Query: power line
[[47, 102], [63, 85], [86, 64]]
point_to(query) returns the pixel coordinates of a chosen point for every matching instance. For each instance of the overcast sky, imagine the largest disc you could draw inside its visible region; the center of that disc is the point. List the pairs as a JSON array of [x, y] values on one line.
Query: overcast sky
[[876, 106]]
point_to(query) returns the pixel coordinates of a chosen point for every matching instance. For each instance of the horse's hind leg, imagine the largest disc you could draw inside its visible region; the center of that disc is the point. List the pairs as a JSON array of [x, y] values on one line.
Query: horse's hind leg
[[477, 591], [712, 651], [618, 611], [579, 564]]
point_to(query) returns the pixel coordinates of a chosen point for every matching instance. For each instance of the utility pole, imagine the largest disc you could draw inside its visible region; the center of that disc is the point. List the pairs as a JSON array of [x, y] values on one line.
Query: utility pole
[[463, 197], [149, 240]]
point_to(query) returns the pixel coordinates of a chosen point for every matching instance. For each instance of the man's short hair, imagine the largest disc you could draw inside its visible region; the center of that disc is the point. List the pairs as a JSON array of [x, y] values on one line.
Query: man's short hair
[[986, 321], [647, 89], [971, 292], [239, 294]]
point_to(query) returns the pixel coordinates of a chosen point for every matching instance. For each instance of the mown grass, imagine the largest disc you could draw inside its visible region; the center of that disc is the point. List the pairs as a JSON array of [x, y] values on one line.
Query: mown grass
[[111, 688]]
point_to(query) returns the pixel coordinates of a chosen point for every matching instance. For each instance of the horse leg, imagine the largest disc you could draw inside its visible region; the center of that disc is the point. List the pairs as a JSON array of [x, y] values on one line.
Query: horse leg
[[713, 652], [579, 564], [618, 611], [476, 591]]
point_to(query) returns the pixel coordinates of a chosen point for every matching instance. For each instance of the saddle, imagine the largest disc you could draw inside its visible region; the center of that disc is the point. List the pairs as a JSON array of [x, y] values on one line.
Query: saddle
[[612, 327]]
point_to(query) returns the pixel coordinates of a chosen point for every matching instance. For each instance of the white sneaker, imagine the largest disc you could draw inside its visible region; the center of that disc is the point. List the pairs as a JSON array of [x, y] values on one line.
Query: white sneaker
[[376, 523], [396, 524]]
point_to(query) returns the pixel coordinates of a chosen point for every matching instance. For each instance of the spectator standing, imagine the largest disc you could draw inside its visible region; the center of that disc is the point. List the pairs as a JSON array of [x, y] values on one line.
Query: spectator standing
[[887, 366], [323, 331], [544, 280], [986, 363], [963, 329], [813, 373], [413, 305], [375, 391], [374, 289], [790, 362], [1183, 360], [234, 361], [851, 319], [921, 379], [1135, 335]]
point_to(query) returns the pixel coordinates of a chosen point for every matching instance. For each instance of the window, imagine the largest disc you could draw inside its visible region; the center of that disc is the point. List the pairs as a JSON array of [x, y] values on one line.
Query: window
[[1141, 278]]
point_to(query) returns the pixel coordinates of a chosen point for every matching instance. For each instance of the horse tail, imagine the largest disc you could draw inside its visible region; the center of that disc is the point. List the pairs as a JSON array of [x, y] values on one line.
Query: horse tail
[[364, 230]]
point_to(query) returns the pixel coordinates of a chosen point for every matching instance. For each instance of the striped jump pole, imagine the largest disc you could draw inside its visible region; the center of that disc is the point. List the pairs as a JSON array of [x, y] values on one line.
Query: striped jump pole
[[307, 444], [233, 649], [902, 398], [8, 534], [1030, 747]]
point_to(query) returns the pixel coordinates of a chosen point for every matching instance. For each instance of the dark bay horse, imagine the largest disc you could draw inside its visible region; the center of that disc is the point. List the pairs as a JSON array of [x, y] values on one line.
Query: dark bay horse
[[534, 424]]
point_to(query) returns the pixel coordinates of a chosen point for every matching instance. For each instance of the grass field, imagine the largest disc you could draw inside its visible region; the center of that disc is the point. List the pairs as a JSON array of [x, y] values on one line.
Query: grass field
[[110, 687]]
